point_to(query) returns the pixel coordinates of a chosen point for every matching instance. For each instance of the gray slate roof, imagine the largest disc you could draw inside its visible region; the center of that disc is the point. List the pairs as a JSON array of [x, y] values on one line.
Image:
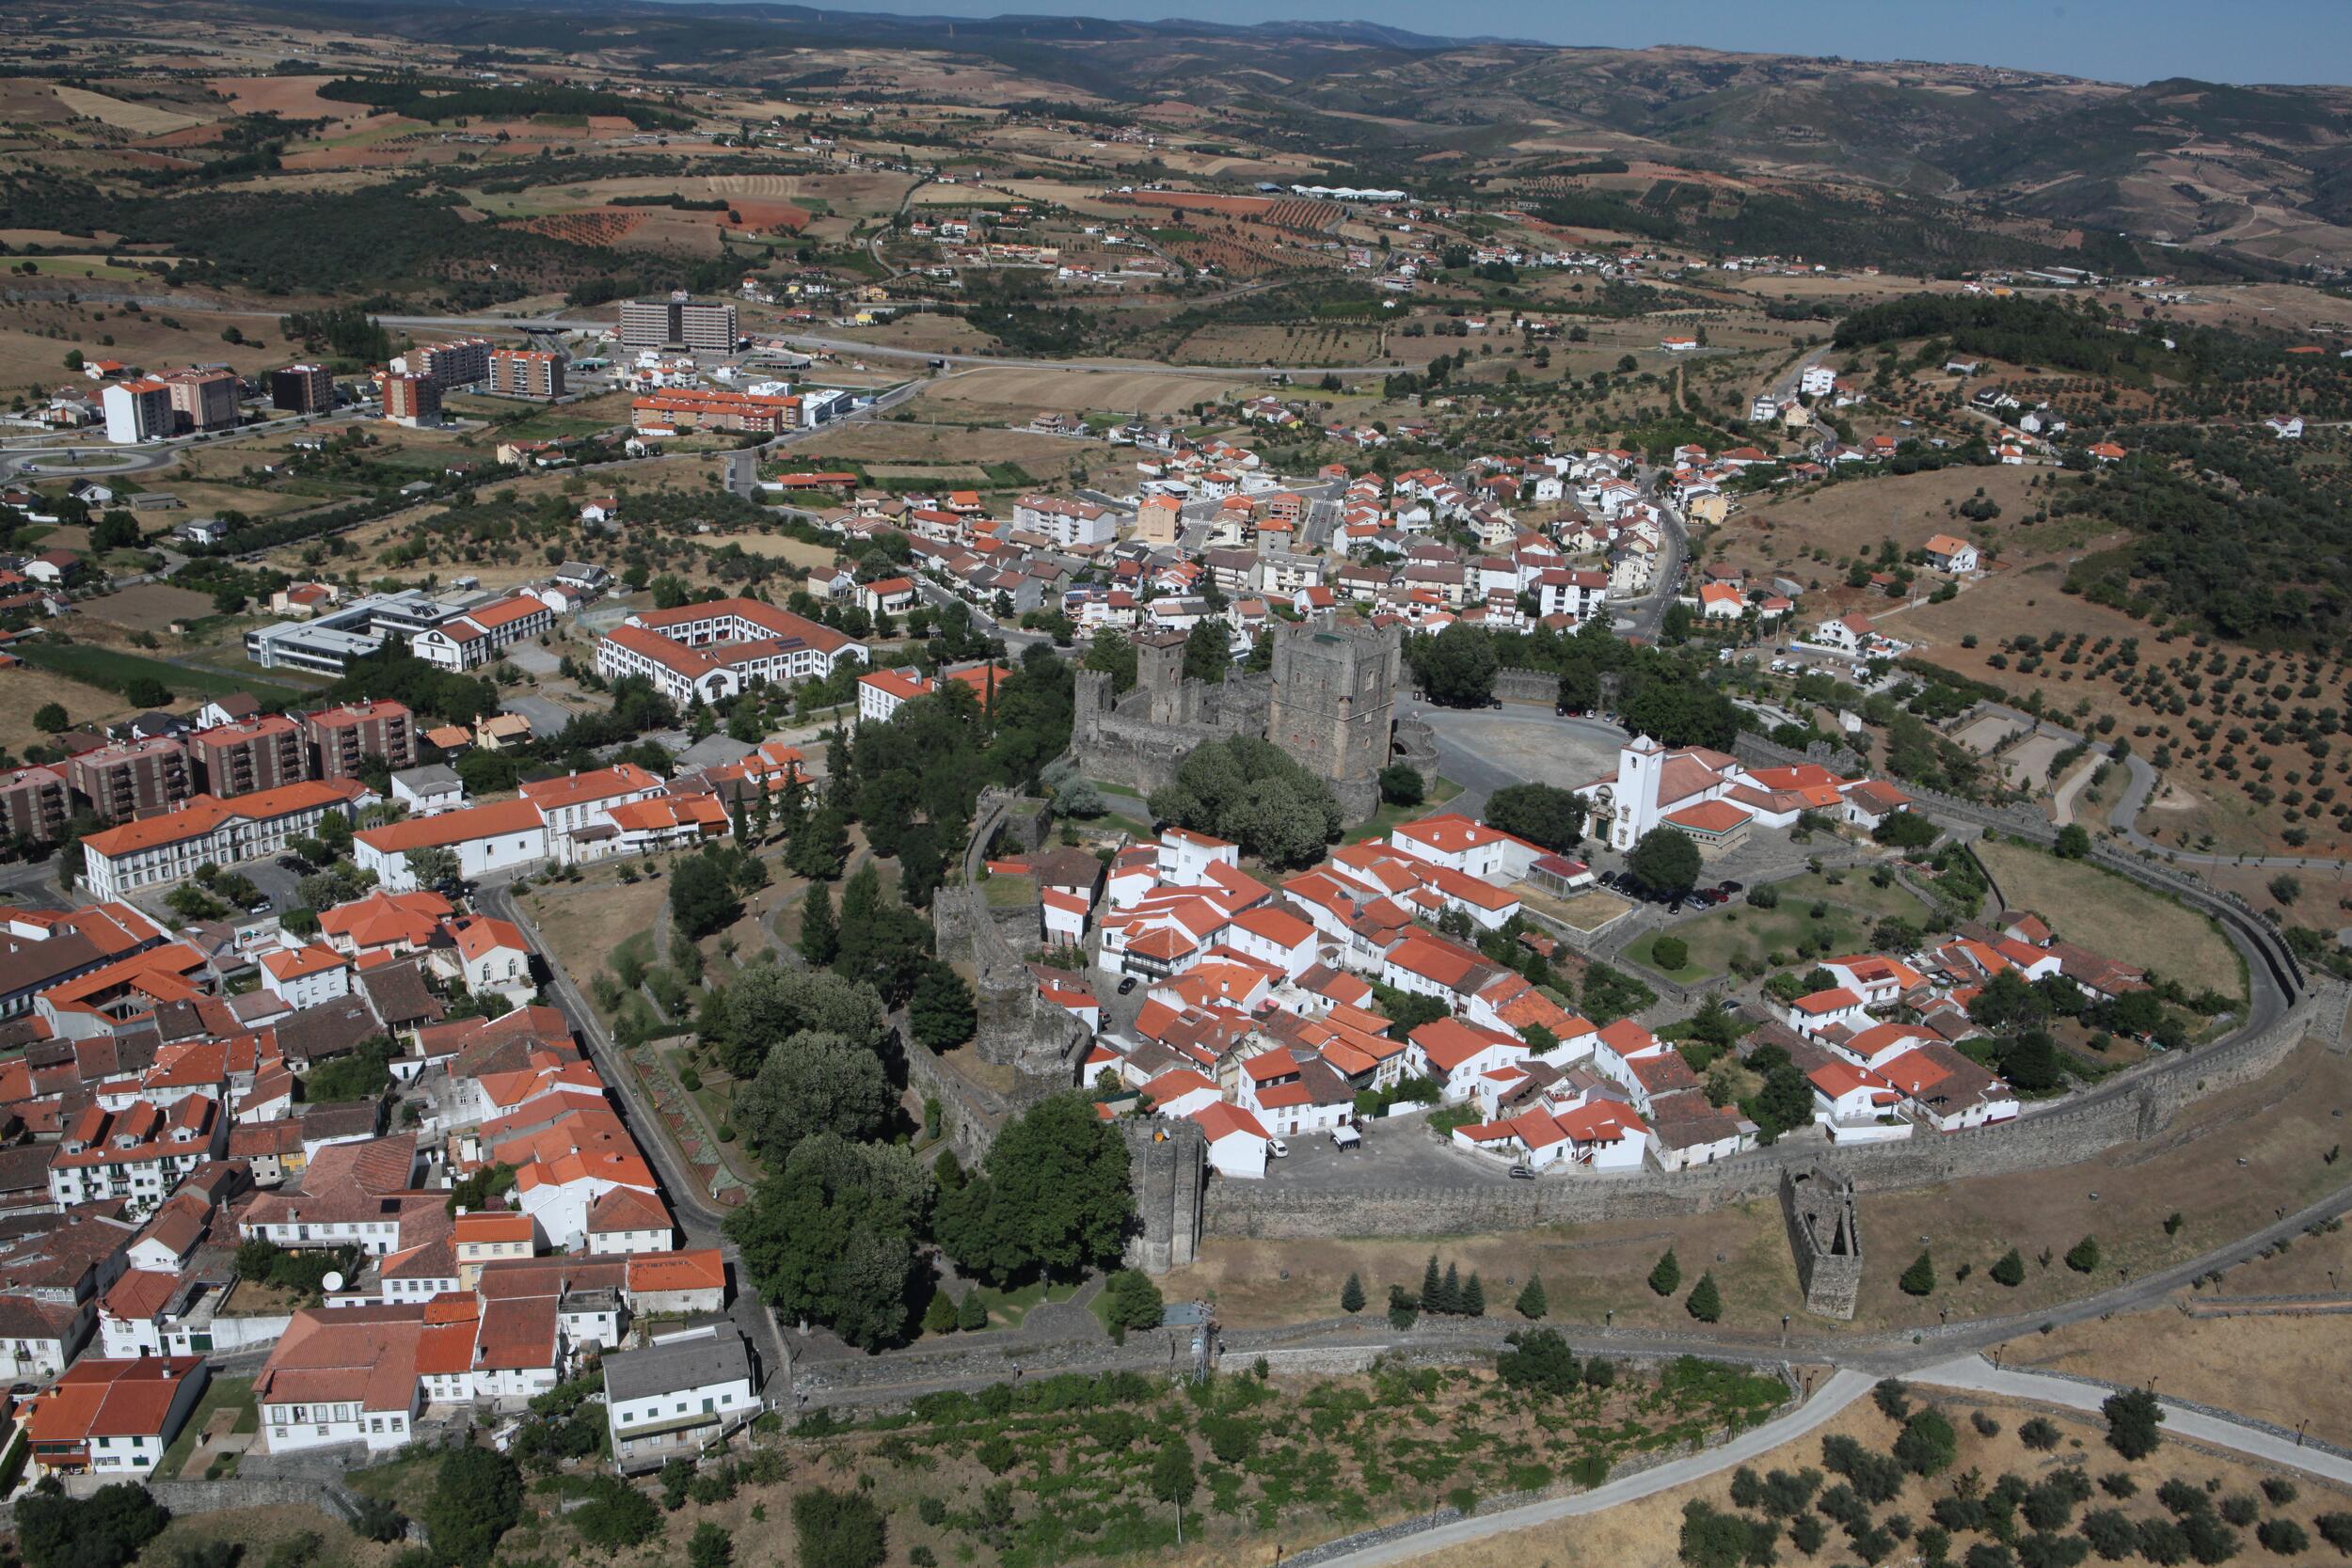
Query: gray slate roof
[[674, 1367]]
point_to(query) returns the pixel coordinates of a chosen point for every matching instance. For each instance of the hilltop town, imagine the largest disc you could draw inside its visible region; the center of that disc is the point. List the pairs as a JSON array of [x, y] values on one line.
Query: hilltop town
[[845, 797]]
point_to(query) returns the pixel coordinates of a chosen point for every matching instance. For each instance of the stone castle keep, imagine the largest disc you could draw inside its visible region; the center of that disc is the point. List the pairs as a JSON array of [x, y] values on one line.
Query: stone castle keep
[[1328, 702]]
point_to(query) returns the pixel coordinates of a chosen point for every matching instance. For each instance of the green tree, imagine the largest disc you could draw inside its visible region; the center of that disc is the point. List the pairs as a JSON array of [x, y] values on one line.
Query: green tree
[[1132, 1300], [1666, 1277], [821, 939], [1920, 1279], [477, 1497], [1208, 655], [819, 846], [1540, 813], [1531, 1304], [702, 896], [769, 1003], [1668, 952], [50, 718], [832, 1236], [2009, 1270], [2073, 842], [1665, 861], [1705, 1301], [836, 1530], [813, 1083], [711, 1546], [1927, 1444], [105, 1530], [2083, 1257], [1252, 792], [615, 1514], [1400, 785], [942, 1011], [1456, 668], [1173, 1476], [433, 865], [1352, 1295], [1114, 657], [2133, 1417], [1052, 1196]]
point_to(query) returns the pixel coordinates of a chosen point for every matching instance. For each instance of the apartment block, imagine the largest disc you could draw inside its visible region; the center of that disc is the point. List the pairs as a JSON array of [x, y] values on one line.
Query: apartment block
[[459, 362], [125, 781], [137, 410], [523, 372], [201, 400], [343, 739], [708, 324], [260, 753], [33, 804], [302, 389], [412, 400]]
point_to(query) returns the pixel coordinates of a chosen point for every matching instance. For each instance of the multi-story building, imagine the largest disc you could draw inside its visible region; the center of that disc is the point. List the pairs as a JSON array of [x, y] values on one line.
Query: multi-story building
[[169, 845], [1066, 520], [713, 650], [137, 410], [121, 782], [302, 389], [699, 409], [33, 804], [525, 372], [138, 1153], [342, 739], [459, 362], [478, 635], [412, 400], [679, 1395], [708, 324], [330, 639], [261, 754], [202, 400]]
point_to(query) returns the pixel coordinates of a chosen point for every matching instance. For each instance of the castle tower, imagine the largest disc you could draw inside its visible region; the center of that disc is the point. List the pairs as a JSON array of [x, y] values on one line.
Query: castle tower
[[1160, 675], [1334, 693]]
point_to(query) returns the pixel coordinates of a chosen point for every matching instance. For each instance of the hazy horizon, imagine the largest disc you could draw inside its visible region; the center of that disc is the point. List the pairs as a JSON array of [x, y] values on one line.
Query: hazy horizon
[[2288, 42]]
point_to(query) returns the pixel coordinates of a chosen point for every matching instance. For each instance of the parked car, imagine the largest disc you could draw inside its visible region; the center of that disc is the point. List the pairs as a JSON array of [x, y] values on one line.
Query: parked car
[[1277, 1147], [1729, 887], [1520, 1173], [1126, 984], [259, 906]]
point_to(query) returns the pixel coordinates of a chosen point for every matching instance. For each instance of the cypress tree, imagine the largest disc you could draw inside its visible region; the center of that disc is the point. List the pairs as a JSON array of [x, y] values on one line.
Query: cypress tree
[[1705, 1302], [1920, 1279], [1531, 1304], [1352, 1295], [821, 939], [1666, 1278], [1451, 1301], [1432, 1287]]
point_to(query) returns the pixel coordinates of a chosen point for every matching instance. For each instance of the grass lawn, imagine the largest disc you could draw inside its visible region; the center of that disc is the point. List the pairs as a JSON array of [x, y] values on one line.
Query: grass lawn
[[110, 669], [1736, 929], [222, 1393], [1006, 1308], [1010, 893], [2116, 917]]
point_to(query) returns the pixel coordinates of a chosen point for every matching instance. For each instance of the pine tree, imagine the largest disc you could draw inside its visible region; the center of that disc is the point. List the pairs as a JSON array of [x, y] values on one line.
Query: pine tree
[[1666, 1278], [2010, 1270], [821, 939], [1531, 1304], [1474, 1297], [1352, 1295], [2083, 1257], [1705, 1304], [1920, 1279], [1432, 1287], [1452, 1300]]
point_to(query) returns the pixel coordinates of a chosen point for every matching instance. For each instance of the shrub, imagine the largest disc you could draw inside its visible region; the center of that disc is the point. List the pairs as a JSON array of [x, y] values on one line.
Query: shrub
[[2336, 1529], [2284, 1537], [2240, 1510], [2279, 1491], [837, 1529], [1986, 1426], [2163, 1542], [2010, 1270], [1920, 1279], [2133, 1417], [2110, 1534], [1668, 952], [2039, 1435], [1927, 1444], [615, 1514], [1892, 1395], [2118, 1483]]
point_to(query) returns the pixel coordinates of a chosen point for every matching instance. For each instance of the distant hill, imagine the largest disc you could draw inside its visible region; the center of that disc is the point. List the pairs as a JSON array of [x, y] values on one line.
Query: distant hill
[[2266, 170]]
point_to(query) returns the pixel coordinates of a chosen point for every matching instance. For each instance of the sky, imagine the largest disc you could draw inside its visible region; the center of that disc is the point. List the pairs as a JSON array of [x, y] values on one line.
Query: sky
[[2116, 40]]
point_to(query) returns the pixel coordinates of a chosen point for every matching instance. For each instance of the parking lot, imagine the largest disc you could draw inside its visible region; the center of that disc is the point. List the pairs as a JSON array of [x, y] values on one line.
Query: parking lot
[[1396, 1153]]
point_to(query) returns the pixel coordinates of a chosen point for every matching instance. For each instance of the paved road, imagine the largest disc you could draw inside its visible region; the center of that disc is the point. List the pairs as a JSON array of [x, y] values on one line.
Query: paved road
[[1840, 1391], [1973, 1372]]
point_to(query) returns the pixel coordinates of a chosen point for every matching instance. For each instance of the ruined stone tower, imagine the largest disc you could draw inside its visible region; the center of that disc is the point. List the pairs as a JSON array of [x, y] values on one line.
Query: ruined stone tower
[[1334, 690], [1824, 1232]]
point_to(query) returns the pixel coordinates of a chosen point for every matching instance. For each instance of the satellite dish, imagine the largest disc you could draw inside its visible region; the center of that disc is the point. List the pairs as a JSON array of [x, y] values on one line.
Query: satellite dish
[[333, 1282]]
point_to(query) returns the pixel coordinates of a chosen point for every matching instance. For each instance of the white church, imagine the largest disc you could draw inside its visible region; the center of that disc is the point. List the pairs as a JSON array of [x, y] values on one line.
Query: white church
[[1716, 799]]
